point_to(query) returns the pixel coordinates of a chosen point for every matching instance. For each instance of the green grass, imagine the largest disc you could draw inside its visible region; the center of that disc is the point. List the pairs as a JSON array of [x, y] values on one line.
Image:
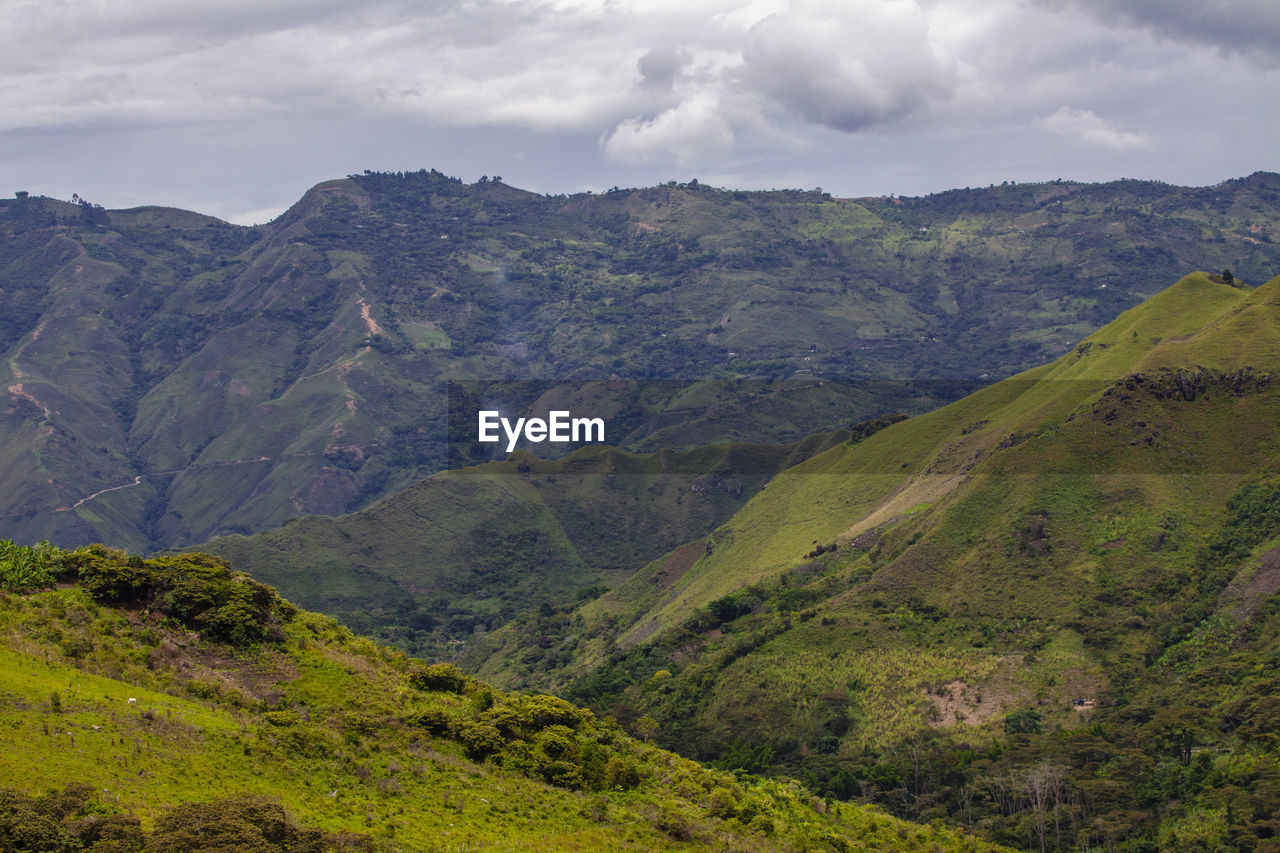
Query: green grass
[[479, 545], [152, 716], [1041, 541]]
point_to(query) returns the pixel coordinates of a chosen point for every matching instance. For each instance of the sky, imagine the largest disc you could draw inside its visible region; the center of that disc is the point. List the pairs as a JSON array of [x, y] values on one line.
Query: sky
[[235, 108]]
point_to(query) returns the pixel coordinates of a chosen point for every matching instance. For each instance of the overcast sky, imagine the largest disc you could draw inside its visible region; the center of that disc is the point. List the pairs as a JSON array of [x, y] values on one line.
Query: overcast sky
[[236, 107]]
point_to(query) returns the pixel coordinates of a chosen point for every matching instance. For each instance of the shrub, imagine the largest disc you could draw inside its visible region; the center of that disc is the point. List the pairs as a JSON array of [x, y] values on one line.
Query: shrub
[[480, 740], [621, 773], [542, 711], [25, 568], [722, 804], [246, 825], [1025, 721], [282, 718], [110, 576], [115, 833], [200, 590], [432, 721], [439, 677], [27, 827]]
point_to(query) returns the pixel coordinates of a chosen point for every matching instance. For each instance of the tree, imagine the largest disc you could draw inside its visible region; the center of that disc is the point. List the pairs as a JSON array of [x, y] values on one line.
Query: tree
[[1043, 783]]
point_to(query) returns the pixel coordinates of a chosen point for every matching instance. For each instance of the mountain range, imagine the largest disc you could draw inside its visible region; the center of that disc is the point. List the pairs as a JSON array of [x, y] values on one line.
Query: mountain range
[[170, 377], [966, 507]]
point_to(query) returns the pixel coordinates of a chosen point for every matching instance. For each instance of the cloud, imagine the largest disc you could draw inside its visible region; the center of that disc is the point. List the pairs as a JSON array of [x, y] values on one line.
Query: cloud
[[256, 217], [660, 67], [633, 86], [849, 64], [694, 131], [1251, 26], [1089, 127]]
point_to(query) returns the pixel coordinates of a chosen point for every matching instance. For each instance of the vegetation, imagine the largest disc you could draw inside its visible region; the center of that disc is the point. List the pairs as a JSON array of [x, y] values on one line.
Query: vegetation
[[222, 380], [1051, 614], [473, 548], [25, 568], [132, 722]]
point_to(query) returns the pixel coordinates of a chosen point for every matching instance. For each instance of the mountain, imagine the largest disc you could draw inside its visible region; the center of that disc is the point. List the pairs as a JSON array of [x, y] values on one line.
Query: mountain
[[1047, 612], [466, 550], [176, 704], [170, 378]]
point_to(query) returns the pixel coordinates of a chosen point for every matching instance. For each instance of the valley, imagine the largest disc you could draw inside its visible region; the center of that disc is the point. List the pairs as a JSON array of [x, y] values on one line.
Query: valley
[[923, 523]]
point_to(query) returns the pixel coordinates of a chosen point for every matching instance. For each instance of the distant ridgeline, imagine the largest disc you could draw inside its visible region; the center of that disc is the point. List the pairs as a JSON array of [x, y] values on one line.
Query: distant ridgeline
[[172, 704], [169, 377]]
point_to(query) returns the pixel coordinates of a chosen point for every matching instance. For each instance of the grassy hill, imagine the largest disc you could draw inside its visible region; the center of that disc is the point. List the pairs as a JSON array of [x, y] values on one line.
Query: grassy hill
[[174, 704], [170, 378], [464, 551], [1047, 611]]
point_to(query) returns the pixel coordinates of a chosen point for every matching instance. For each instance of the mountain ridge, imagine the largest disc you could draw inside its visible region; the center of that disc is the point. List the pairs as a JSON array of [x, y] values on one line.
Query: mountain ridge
[[1056, 571], [302, 366]]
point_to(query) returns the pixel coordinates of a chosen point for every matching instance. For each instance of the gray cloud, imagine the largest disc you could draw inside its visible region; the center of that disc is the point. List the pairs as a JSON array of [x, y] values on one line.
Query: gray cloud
[[847, 64], [566, 94], [660, 67], [1251, 26]]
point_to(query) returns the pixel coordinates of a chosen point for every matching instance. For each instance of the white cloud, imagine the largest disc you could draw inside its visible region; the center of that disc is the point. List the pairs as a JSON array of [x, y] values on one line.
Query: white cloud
[[256, 217], [692, 132], [1087, 126]]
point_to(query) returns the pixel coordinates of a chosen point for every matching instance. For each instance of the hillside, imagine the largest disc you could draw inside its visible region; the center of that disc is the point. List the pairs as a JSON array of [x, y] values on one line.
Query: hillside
[[466, 550], [1047, 611], [170, 378], [174, 703]]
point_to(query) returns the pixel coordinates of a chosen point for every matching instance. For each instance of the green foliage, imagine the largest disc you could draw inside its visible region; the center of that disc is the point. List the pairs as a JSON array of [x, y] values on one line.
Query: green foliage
[[441, 677], [1024, 721], [243, 825], [480, 740], [434, 721], [25, 827], [200, 590], [865, 429], [1253, 516], [24, 568], [334, 731]]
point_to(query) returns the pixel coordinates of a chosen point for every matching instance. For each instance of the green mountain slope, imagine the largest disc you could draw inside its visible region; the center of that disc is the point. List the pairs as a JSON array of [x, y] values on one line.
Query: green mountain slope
[[174, 700], [1066, 579], [466, 550], [169, 378]]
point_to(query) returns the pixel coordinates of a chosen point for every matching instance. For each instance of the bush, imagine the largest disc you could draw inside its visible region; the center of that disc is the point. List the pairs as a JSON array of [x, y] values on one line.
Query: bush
[[722, 804], [480, 740], [111, 576], [26, 568], [433, 721], [115, 833], [200, 590], [439, 677], [621, 773], [24, 829], [245, 825], [1026, 721], [542, 711]]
